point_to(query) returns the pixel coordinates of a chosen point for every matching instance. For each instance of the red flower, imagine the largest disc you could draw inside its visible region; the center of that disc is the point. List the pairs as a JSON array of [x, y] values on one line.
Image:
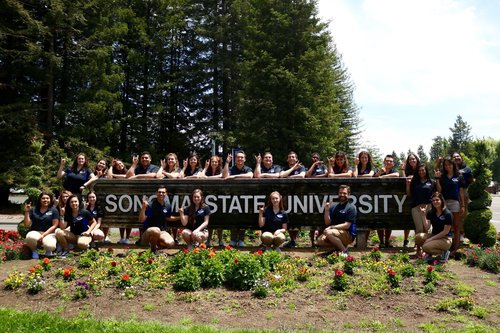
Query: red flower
[[375, 249], [430, 269], [391, 272], [236, 260], [185, 250], [113, 263], [349, 259], [67, 272], [46, 261], [38, 267], [228, 247], [259, 252], [203, 246], [435, 262], [150, 261], [110, 249], [125, 277], [339, 272]]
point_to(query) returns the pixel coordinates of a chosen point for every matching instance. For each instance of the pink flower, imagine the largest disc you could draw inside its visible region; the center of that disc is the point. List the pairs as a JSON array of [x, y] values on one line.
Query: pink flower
[[391, 272], [339, 272], [349, 259]]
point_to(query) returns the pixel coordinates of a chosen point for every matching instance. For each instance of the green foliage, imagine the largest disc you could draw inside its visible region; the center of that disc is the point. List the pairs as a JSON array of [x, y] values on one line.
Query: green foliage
[[481, 202], [187, 279], [244, 271], [477, 227], [486, 258], [452, 304], [212, 273], [340, 281]]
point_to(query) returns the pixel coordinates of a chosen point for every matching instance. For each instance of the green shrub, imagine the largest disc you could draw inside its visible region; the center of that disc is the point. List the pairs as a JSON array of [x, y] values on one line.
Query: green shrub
[[489, 237], [489, 261], [483, 202], [476, 224], [187, 279], [244, 271], [212, 273]]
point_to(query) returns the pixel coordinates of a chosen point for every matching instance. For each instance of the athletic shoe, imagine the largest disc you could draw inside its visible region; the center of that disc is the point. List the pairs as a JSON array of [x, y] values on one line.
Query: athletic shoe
[[291, 243], [405, 243], [277, 249], [71, 246], [207, 244], [34, 255], [126, 241], [429, 259], [64, 254], [107, 240], [221, 243], [49, 254], [444, 257], [232, 243], [241, 243]]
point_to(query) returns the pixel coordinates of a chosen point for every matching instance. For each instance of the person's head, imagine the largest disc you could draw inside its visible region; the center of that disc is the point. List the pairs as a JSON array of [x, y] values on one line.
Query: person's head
[[161, 193], [45, 200], [267, 159], [275, 200], [172, 161], [292, 158], [101, 166], [344, 192], [315, 157], [63, 197], [341, 162], [412, 161], [450, 167], [389, 161], [365, 160], [92, 198], [80, 162], [119, 167], [423, 172], [457, 158], [437, 201], [241, 157], [216, 163], [145, 159], [197, 198], [73, 204], [193, 161]]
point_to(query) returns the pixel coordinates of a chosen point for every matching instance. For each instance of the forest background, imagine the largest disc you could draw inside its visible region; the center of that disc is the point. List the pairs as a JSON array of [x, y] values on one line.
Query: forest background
[[113, 78]]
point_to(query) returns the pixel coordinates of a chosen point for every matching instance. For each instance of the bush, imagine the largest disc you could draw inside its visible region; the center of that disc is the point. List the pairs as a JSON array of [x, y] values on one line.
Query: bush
[[187, 279], [244, 271], [212, 273], [476, 225]]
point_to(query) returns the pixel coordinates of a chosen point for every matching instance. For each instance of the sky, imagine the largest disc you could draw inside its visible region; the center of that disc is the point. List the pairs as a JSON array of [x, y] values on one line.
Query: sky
[[418, 64]]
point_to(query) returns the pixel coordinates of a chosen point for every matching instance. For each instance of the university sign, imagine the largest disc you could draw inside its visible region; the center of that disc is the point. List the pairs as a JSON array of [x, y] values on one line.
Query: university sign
[[381, 203]]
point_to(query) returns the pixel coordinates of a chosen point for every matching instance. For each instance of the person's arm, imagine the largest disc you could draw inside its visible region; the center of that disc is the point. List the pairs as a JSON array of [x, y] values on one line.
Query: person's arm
[[225, 171], [184, 218], [91, 228], [284, 174], [312, 168], [437, 175], [142, 213], [261, 220], [248, 174], [89, 182], [408, 187], [284, 226], [131, 170], [204, 225], [60, 172], [347, 174], [27, 209], [462, 201], [326, 213], [442, 234], [257, 173], [427, 223]]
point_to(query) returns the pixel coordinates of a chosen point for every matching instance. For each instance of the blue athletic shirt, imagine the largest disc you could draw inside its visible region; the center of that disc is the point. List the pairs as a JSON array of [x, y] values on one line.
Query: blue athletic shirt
[[80, 223], [156, 214], [438, 222], [272, 221], [340, 213], [42, 221]]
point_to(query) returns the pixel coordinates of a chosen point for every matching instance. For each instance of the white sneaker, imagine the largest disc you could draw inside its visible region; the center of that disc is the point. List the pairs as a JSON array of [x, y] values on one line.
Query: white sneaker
[[126, 241], [241, 243], [107, 240]]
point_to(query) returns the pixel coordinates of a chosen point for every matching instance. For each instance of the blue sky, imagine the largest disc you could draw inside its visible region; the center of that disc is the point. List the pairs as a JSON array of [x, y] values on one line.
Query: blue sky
[[416, 65]]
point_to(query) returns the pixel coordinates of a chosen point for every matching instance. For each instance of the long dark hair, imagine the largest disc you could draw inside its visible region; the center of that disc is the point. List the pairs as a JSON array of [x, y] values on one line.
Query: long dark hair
[[408, 170], [416, 178], [443, 203], [74, 166], [197, 161], [345, 167], [369, 165], [39, 200], [104, 171], [192, 206], [68, 213], [115, 170], [455, 167]]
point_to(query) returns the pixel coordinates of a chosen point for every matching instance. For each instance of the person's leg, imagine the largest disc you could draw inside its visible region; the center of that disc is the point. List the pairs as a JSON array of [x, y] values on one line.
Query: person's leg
[[234, 237], [200, 236], [64, 237], [380, 233], [151, 236], [418, 221], [241, 237], [49, 244], [267, 239], [437, 246], [333, 237], [279, 239], [220, 236], [405, 241], [97, 235], [419, 241], [32, 239], [83, 242], [173, 233], [456, 232], [166, 240], [387, 234], [186, 235], [293, 237]]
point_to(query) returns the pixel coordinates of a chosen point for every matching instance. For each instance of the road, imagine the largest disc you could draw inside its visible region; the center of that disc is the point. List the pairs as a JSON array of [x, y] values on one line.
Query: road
[[9, 222]]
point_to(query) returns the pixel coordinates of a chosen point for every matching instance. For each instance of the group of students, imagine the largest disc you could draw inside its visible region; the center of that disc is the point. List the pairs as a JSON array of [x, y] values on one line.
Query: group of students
[[71, 225]]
